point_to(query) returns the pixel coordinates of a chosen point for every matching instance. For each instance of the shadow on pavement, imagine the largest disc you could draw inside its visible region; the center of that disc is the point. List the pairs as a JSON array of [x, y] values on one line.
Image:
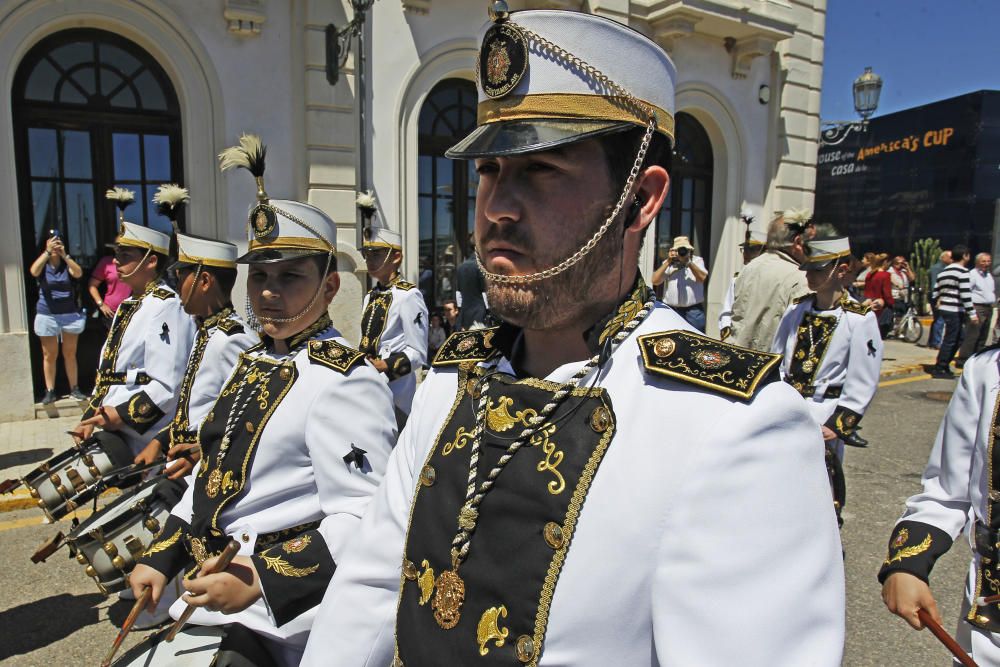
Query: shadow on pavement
[[31, 626], [25, 457]]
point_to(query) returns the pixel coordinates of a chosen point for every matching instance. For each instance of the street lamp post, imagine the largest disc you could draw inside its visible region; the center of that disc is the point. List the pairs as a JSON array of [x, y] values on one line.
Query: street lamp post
[[867, 89]]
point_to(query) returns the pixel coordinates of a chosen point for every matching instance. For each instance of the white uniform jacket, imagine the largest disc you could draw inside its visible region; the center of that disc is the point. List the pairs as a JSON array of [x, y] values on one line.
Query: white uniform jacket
[[217, 347], [726, 314], [305, 457], [394, 329], [142, 363], [961, 481], [691, 509], [837, 369]]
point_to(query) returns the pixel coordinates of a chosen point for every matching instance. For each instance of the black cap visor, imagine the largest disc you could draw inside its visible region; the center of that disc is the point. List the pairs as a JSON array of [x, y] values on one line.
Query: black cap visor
[[274, 255], [519, 137]]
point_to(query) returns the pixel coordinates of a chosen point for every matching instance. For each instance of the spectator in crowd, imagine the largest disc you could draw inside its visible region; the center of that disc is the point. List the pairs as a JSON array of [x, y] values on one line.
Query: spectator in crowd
[[425, 281], [450, 310], [937, 327], [857, 288], [471, 292], [901, 277], [436, 336], [115, 291], [767, 286], [684, 275], [984, 295], [878, 292], [751, 249], [57, 314], [953, 297]]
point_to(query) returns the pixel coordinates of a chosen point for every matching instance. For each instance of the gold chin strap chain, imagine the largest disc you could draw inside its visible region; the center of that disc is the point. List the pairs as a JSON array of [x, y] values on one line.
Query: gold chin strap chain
[[312, 301], [640, 157]]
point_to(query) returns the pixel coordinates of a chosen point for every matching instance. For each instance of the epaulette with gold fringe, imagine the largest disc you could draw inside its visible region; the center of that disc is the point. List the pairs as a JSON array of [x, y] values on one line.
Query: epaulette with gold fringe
[[855, 307], [163, 293], [706, 362], [334, 355], [474, 345]]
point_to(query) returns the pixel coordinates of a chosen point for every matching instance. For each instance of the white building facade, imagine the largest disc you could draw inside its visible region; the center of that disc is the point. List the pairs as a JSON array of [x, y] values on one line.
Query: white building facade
[[140, 92]]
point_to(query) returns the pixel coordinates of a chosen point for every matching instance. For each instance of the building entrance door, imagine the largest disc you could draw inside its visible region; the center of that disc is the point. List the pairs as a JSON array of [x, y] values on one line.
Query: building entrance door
[[91, 111]]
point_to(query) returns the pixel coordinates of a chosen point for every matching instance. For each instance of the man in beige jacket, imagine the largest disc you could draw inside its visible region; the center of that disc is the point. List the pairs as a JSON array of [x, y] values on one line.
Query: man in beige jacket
[[765, 288]]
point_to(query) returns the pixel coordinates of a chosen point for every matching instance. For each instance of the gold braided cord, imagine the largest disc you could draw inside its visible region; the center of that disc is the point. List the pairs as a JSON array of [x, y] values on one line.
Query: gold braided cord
[[643, 111], [567, 106]]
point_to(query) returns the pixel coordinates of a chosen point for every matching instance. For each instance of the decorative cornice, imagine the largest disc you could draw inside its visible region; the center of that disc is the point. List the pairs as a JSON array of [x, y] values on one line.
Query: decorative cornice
[[421, 7], [245, 17]]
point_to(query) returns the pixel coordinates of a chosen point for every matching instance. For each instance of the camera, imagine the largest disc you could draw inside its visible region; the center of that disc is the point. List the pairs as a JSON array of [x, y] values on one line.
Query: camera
[[54, 233], [682, 252]]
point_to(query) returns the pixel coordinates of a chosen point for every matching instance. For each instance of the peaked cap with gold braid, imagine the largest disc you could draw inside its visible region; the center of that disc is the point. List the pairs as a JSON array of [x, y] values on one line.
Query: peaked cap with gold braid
[[279, 229], [551, 77]]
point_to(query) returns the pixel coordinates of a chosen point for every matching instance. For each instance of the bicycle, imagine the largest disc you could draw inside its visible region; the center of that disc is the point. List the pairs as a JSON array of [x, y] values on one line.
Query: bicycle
[[908, 327]]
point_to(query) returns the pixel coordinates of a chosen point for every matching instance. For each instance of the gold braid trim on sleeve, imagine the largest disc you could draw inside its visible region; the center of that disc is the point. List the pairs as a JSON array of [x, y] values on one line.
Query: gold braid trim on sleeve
[[157, 547], [286, 569], [909, 552]]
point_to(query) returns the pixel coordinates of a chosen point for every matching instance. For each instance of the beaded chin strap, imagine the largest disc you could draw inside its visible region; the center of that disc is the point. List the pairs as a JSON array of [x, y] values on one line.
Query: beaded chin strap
[[449, 581], [645, 111]]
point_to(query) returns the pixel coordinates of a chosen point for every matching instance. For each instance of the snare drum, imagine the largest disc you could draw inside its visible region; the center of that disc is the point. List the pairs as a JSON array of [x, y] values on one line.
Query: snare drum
[[110, 542], [70, 478], [194, 646]]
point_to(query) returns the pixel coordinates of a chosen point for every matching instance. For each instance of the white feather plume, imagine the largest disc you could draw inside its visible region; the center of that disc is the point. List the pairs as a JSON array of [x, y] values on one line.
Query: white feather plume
[[249, 155], [172, 195], [797, 216], [366, 201], [122, 196]]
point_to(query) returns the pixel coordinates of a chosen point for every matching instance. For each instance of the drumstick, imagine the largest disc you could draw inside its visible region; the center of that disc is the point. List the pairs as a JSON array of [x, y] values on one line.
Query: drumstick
[[139, 605], [225, 558], [945, 638], [982, 602]]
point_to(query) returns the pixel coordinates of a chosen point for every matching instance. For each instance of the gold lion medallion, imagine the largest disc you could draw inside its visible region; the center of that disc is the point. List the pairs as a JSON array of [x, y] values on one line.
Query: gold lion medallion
[[449, 594]]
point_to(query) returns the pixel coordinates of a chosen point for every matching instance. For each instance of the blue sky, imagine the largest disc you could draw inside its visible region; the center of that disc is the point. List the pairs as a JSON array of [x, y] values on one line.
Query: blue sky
[[924, 50]]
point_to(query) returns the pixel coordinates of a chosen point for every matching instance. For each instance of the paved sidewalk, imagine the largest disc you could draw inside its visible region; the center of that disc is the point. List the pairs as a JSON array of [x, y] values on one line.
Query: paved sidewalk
[[25, 444]]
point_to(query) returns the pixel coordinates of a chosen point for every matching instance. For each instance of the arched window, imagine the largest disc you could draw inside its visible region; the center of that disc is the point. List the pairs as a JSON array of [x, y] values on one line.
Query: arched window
[[447, 188], [688, 209], [92, 110]]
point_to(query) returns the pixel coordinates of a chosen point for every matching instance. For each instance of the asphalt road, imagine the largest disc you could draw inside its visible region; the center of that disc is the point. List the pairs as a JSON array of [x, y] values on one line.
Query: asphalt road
[[52, 615]]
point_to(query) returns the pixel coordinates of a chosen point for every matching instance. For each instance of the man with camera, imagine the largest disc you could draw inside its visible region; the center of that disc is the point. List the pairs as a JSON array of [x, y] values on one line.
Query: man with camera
[[684, 274]]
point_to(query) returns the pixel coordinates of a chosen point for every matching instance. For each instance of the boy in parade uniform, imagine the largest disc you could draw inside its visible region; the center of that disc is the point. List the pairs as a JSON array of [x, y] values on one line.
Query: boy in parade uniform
[[832, 350], [535, 510], [206, 272], [292, 450], [143, 359], [961, 492], [395, 321]]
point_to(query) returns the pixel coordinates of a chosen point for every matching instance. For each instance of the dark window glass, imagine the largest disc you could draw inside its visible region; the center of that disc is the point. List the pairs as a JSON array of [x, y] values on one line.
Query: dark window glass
[[447, 188], [126, 157], [44, 157], [76, 154], [687, 209]]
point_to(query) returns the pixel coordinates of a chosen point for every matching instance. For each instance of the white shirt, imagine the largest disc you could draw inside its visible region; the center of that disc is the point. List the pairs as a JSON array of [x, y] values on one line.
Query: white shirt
[[852, 359], [681, 288], [298, 474], [404, 333], [676, 521], [983, 287], [155, 345]]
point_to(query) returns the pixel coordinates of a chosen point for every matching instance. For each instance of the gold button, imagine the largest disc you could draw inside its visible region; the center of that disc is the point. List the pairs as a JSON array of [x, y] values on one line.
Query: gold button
[[600, 419], [409, 570], [996, 431], [249, 427], [995, 496], [285, 373], [210, 417], [245, 537], [664, 347], [242, 369], [525, 648], [428, 475], [553, 534]]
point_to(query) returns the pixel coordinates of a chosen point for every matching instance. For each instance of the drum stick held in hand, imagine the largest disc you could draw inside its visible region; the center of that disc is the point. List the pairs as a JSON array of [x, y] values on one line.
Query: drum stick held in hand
[[225, 558], [140, 604], [946, 639]]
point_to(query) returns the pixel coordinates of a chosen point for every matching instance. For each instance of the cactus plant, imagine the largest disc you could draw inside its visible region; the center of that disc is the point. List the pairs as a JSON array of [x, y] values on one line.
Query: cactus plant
[[925, 252]]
